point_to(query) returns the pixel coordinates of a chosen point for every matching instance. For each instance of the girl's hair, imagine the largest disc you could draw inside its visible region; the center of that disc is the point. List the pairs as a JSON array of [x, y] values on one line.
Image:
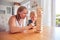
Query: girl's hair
[[33, 13]]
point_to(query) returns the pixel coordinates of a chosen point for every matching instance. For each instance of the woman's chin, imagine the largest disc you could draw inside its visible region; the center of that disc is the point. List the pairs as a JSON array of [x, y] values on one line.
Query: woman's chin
[[23, 18]]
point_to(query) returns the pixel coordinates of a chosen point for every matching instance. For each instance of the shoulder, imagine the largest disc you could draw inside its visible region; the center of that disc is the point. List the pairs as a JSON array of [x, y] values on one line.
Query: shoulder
[[12, 18]]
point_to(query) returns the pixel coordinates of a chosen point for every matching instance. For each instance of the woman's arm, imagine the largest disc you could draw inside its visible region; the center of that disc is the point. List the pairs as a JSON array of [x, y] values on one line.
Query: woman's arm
[[12, 25]]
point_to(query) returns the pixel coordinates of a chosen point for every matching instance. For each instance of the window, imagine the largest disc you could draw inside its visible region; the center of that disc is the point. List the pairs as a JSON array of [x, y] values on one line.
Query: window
[[57, 13]]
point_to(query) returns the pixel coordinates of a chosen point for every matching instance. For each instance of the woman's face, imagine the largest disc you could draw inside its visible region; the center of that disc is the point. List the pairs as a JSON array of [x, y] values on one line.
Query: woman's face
[[23, 13]]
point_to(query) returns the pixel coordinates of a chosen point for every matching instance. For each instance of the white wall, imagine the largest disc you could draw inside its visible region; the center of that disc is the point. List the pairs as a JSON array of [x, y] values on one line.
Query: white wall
[[4, 17], [53, 17], [46, 16], [13, 0]]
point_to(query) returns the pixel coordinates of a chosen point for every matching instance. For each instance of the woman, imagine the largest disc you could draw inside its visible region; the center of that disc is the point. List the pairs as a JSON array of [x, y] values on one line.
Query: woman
[[16, 21]]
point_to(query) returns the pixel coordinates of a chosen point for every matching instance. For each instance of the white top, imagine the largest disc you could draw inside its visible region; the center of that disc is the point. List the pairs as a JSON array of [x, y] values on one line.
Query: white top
[[22, 23]]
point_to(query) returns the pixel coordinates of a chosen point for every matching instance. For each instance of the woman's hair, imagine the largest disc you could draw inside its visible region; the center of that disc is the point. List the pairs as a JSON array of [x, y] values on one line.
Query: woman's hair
[[20, 9]]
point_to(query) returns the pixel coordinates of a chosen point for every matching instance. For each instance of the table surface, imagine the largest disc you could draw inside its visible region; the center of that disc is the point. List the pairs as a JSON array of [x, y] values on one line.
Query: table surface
[[45, 34]]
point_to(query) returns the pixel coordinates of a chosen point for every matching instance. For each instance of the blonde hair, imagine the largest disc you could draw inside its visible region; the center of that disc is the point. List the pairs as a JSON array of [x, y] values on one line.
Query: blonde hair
[[33, 13]]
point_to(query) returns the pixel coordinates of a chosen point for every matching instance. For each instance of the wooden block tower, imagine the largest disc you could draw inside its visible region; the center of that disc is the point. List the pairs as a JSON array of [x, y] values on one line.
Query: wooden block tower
[[38, 21]]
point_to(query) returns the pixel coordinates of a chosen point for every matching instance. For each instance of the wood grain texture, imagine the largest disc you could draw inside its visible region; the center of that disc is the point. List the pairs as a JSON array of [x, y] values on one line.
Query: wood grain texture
[[44, 34]]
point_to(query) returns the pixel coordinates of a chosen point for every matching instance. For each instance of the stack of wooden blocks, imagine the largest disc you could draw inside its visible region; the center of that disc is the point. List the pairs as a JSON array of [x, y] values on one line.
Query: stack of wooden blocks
[[38, 21]]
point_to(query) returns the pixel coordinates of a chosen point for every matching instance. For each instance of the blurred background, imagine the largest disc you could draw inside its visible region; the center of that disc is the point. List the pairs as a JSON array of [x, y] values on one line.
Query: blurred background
[[9, 8]]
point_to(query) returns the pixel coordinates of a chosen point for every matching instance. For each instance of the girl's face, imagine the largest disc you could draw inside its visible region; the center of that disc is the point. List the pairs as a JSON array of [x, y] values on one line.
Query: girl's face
[[32, 16], [23, 13]]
